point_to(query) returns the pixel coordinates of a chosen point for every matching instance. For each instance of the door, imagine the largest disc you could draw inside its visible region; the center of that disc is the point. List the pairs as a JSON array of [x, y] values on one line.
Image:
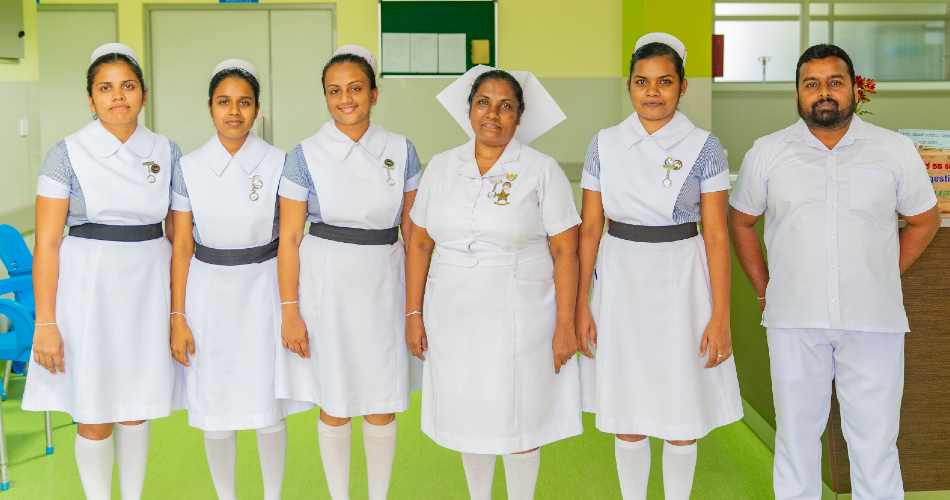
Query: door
[[287, 46], [186, 45], [66, 38], [301, 43]]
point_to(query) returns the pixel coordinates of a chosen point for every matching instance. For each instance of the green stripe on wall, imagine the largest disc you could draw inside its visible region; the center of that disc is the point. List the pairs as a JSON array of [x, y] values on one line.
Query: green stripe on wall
[[689, 20]]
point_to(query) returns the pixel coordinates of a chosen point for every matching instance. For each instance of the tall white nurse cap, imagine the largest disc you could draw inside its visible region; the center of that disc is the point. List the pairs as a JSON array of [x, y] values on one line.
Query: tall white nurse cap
[[359, 51], [114, 48], [541, 111], [240, 64], [664, 38]]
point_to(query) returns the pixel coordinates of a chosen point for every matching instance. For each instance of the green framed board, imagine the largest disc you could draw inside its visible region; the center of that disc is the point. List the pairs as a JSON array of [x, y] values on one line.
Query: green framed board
[[425, 37]]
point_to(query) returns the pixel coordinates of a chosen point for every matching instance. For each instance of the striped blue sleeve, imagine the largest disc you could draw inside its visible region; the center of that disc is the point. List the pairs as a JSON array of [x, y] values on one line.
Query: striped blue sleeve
[[295, 182], [180, 200], [590, 178], [413, 168], [714, 169], [56, 174]]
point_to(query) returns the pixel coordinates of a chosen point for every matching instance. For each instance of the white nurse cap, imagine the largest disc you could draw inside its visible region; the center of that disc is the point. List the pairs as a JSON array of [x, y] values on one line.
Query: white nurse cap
[[664, 38], [359, 51], [541, 111], [114, 48], [240, 64]]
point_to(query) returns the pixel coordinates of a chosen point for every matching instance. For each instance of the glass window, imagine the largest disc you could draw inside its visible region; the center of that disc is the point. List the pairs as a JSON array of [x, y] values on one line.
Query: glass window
[[895, 50], [757, 9], [818, 32], [759, 50], [888, 40], [890, 9], [818, 9]]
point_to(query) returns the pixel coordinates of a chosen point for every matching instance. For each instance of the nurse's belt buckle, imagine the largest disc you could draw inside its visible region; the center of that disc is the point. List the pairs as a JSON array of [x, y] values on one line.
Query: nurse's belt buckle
[[151, 168], [669, 164], [389, 165], [257, 183]]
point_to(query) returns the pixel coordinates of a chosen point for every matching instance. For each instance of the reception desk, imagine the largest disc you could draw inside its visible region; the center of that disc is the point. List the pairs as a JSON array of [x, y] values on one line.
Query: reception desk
[[924, 441]]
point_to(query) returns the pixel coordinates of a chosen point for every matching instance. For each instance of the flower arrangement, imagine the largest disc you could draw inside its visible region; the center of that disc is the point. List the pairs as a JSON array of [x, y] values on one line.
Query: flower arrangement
[[866, 88]]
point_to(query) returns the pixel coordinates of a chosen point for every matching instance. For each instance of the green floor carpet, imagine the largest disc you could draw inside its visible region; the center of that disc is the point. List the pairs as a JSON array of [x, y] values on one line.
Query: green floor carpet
[[733, 464]]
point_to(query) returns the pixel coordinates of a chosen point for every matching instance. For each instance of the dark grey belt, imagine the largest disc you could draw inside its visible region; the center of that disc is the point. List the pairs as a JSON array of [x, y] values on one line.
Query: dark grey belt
[[651, 234], [236, 256], [108, 232], [354, 235]]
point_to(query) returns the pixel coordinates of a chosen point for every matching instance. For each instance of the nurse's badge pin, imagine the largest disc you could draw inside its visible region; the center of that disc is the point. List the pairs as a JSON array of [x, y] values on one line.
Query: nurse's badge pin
[[669, 164], [151, 168], [389, 165], [257, 183], [501, 190]]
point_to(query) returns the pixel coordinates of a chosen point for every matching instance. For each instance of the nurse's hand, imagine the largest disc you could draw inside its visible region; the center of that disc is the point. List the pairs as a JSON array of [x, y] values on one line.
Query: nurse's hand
[[48, 348], [586, 331], [182, 341], [564, 344], [416, 338], [293, 334], [716, 343]]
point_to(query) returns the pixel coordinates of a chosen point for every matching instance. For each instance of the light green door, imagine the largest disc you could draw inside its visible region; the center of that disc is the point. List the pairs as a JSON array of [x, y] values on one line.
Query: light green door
[[185, 47], [66, 38], [288, 46], [301, 43]]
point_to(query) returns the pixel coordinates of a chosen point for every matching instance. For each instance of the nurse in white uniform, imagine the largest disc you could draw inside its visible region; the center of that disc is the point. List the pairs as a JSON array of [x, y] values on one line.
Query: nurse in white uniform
[[493, 256], [656, 334], [100, 348], [342, 285], [225, 321]]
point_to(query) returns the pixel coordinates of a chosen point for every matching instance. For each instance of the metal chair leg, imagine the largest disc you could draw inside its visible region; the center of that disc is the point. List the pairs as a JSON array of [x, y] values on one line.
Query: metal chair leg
[[6, 378], [4, 476], [49, 433]]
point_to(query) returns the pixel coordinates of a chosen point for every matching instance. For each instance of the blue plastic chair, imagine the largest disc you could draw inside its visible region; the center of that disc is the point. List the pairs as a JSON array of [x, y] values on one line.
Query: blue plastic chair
[[20, 311]]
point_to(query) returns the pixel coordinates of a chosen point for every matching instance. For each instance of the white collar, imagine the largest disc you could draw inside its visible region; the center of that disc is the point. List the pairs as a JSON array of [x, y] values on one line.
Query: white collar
[[667, 136], [468, 167], [801, 133], [248, 157], [340, 145], [104, 144]]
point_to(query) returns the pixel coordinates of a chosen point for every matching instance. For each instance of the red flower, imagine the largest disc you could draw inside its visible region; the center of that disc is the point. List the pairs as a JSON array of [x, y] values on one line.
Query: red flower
[[866, 87]]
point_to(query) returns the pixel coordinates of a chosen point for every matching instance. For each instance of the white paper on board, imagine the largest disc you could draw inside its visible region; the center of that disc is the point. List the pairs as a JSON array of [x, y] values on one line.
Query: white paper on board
[[425, 53], [397, 53], [452, 55]]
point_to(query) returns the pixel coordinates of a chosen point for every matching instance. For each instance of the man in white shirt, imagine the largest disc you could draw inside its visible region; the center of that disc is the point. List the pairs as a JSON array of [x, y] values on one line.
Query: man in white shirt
[[831, 187]]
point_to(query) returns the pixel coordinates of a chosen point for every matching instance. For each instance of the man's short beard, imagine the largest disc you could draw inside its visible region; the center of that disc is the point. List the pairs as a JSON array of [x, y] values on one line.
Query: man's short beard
[[827, 119]]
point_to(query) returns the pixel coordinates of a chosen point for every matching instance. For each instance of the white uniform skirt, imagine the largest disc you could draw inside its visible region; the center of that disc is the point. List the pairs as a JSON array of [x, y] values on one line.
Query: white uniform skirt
[[651, 304], [352, 299], [234, 315], [112, 305], [488, 383]]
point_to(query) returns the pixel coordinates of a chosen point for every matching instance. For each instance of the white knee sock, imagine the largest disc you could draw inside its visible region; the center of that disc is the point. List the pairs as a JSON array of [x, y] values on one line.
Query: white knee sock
[[221, 448], [521, 474], [131, 452], [379, 442], [94, 460], [479, 471], [335, 454], [633, 467], [272, 449], [679, 462]]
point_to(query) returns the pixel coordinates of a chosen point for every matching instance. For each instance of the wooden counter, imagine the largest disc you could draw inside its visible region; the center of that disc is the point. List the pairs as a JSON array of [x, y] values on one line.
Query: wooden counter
[[924, 441]]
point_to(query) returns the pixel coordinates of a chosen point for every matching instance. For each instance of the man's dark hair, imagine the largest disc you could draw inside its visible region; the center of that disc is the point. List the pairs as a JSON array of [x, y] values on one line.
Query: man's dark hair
[[823, 51]]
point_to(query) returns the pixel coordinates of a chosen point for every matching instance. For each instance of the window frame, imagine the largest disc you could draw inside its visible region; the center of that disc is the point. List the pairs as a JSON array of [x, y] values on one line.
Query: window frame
[[805, 18]]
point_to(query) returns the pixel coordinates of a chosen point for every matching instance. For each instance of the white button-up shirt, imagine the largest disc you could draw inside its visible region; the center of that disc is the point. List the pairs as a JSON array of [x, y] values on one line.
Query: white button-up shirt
[[831, 224]]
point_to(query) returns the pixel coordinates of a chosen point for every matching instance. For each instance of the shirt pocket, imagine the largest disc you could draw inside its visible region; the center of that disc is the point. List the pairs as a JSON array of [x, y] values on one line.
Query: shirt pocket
[[872, 191]]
